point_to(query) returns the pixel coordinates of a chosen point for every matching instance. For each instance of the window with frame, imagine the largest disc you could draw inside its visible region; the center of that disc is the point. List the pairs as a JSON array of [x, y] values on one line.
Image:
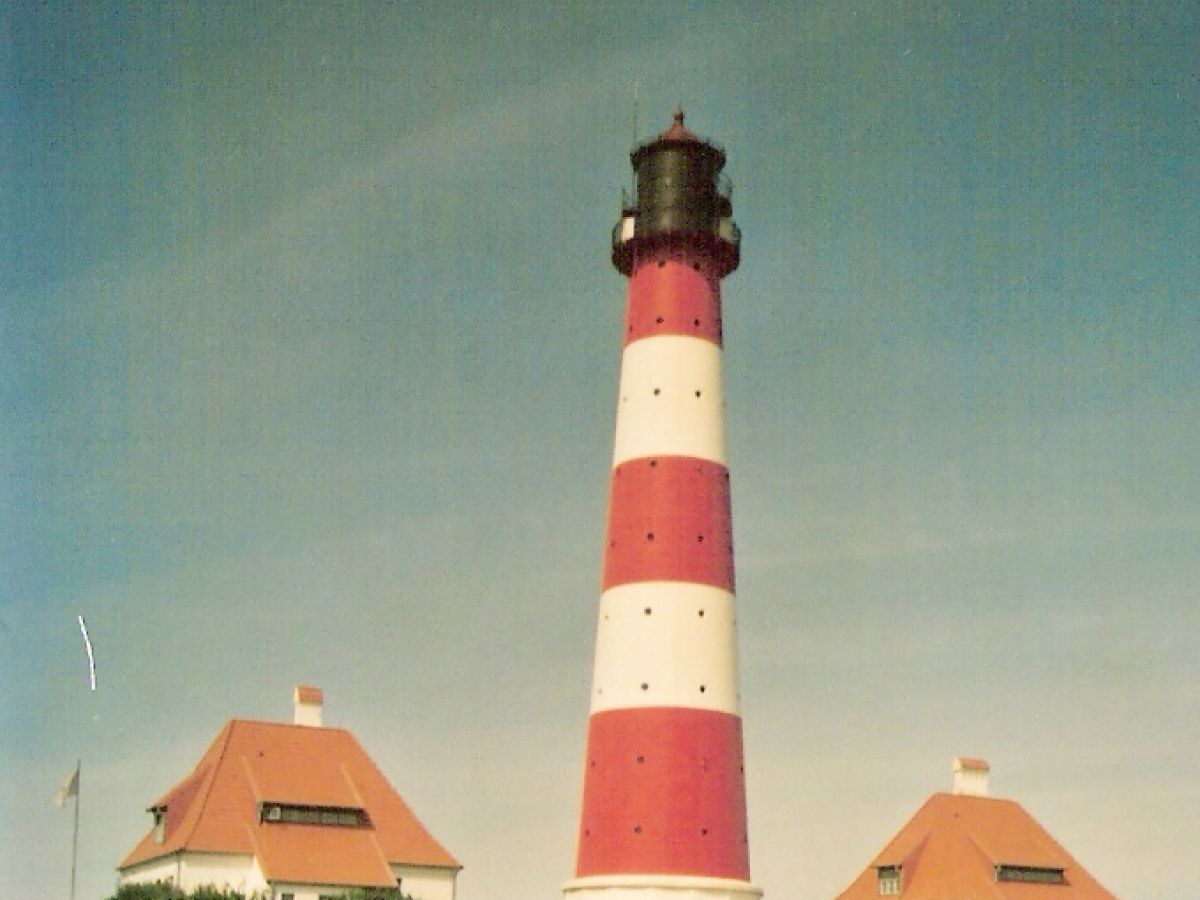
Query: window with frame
[[890, 882], [1031, 874], [298, 814]]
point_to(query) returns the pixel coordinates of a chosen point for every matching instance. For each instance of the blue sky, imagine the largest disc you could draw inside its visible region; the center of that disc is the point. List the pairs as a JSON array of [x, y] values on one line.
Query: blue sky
[[311, 345]]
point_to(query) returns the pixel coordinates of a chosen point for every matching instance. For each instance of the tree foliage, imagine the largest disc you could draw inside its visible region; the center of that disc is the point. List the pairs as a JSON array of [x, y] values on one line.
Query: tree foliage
[[164, 890], [388, 893], [159, 890]]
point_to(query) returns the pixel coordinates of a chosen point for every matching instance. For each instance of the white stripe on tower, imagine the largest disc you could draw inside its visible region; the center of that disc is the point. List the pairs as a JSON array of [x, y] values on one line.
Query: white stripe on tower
[[666, 643], [670, 400]]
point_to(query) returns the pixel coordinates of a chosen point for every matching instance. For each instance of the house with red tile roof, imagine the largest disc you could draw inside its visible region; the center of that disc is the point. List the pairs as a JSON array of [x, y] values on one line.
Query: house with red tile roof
[[970, 846], [294, 811]]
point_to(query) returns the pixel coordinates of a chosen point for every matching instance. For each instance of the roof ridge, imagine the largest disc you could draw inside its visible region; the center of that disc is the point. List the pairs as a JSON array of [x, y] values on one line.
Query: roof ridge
[[972, 797], [258, 794], [882, 857], [1038, 834], [206, 790], [353, 787], [1047, 841], [259, 854], [252, 721], [404, 804], [909, 863], [374, 832], [988, 857]]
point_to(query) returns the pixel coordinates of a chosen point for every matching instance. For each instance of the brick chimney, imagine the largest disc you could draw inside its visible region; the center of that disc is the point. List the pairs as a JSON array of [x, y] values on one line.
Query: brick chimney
[[971, 776], [308, 702]]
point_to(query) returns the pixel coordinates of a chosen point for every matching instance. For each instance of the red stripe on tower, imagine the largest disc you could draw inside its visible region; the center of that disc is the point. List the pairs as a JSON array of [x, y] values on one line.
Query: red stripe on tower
[[664, 797], [668, 520], [674, 805], [673, 296]]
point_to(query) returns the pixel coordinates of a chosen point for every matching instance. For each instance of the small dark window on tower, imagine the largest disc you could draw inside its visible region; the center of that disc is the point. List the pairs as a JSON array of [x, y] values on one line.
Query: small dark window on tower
[[889, 880]]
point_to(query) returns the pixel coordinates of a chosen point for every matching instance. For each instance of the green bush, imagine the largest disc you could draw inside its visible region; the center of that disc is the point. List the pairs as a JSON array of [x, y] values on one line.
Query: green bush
[[159, 890], [208, 892], [164, 890], [389, 893]]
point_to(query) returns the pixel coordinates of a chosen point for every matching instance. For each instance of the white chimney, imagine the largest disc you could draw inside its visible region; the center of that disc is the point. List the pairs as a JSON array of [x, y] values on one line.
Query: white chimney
[[308, 702], [971, 776]]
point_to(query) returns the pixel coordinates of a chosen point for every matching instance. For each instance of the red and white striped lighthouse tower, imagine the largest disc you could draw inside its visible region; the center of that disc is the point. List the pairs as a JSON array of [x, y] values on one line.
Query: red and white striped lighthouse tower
[[664, 799]]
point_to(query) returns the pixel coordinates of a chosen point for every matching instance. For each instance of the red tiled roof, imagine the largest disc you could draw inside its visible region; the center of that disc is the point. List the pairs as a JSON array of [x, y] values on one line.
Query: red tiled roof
[[216, 808], [954, 843]]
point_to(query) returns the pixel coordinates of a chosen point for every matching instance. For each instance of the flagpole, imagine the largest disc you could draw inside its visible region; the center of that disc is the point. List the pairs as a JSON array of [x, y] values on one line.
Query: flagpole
[[75, 839]]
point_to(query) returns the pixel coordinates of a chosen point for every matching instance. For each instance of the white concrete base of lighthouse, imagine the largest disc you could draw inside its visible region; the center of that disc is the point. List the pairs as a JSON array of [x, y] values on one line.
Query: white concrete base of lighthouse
[[659, 887]]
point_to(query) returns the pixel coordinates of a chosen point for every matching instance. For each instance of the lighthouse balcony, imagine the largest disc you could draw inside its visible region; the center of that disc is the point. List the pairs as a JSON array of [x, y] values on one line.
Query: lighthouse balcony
[[722, 240]]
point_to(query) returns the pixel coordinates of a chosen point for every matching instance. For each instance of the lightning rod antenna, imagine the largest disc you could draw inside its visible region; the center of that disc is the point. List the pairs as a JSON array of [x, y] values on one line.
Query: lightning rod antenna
[[635, 112], [633, 174]]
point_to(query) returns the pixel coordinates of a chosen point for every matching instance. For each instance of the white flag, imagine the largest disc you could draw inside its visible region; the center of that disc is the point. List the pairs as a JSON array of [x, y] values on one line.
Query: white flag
[[70, 788]]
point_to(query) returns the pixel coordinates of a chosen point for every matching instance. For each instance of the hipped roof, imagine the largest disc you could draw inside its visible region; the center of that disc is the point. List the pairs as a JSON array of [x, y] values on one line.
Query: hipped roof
[[216, 808], [950, 850]]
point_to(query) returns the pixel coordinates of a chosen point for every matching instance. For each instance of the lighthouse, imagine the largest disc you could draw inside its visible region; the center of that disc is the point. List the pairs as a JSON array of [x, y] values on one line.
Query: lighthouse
[[664, 798]]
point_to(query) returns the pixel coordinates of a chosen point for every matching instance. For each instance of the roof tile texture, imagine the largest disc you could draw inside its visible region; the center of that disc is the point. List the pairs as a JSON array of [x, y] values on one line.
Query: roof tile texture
[[950, 849], [216, 808]]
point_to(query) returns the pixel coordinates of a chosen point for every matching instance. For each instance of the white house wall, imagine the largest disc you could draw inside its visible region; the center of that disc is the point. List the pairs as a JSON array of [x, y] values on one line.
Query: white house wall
[[234, 870], [163, 869], [191, 870], [425, 882]]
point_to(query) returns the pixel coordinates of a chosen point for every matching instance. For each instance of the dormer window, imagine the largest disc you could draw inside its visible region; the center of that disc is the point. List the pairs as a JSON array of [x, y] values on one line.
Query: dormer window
[[889, 880], [1031, 874], [301, 814]]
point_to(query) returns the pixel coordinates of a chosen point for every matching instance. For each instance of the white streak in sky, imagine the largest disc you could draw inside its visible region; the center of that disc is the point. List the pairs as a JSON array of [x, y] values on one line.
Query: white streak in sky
[[87, 642]]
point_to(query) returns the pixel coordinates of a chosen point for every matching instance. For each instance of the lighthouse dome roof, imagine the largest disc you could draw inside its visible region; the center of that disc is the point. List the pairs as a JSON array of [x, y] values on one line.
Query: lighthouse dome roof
[[679, 136], [678, 131]]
